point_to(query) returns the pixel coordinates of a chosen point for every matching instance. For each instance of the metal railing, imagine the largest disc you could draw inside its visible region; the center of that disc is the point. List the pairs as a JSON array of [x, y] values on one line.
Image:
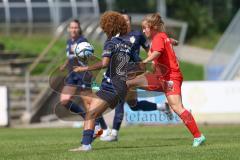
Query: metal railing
[[58, 35], [232, 68], [223, 60], [89, 25], [52, 12]]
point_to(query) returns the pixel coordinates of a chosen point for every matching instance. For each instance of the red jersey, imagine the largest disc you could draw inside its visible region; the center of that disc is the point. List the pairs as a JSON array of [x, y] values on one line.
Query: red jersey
[[167, 60]]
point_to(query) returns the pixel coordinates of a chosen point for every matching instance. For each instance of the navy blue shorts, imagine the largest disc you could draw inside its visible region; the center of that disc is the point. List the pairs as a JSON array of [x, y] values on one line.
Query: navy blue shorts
[[80, 80], [112, 93], [111, 98]]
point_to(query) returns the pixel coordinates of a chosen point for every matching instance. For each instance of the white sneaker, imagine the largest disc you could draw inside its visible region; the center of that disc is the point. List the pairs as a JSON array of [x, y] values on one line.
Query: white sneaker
[[109, 138], [83, 148], [105, 132]]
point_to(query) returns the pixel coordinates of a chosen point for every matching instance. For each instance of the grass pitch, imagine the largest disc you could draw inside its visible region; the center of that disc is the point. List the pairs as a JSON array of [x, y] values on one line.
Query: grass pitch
[[135, 142]]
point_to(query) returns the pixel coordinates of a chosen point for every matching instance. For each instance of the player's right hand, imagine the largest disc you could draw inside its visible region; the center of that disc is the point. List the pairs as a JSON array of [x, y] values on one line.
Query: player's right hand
[[142, 66]]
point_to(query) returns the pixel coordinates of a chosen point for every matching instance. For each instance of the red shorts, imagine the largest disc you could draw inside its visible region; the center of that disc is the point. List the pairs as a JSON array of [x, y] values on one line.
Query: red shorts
[[168, 86]]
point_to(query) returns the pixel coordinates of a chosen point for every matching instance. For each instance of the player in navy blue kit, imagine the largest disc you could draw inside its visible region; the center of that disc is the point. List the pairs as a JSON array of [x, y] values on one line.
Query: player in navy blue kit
[[76, 81], [138, 40], [116, 55]]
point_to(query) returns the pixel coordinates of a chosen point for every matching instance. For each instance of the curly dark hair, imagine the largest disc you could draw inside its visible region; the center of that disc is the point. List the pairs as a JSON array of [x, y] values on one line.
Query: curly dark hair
[[113, 23]]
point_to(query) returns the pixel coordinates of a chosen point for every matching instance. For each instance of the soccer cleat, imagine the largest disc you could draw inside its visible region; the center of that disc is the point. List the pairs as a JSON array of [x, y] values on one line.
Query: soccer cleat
[[83, 148], [168, 112], [109, 138], [199, 141]]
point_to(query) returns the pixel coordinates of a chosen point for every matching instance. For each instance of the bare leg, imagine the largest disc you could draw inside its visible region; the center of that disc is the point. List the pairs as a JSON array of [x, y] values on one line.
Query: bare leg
[[86, 96], [66, 94], [175, 101], [139, 81], [65, 100], [96, 108]]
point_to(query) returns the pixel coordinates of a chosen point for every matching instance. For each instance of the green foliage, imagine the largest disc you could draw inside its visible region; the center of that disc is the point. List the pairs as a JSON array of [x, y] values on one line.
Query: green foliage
[[136, 6], [194, 14], [135, 143], [203, 16]]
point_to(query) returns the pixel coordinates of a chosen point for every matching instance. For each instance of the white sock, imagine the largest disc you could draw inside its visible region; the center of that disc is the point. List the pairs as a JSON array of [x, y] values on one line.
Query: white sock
[[114, 132], [97, 127], [161, 107]]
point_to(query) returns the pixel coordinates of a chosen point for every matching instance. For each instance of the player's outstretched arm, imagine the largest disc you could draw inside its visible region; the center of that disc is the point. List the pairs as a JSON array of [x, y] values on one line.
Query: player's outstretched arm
[[63, 67], [151, 56], [103, 64]]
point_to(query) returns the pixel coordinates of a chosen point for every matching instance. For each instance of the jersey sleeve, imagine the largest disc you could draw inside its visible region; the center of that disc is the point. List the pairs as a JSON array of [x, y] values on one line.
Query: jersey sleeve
[[157, 44], [67, 50], [108, 49], [69, 54]]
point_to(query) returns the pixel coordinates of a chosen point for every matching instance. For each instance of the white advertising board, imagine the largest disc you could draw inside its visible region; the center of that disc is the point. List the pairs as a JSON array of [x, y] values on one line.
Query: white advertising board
[[3, 106], [212, 96]]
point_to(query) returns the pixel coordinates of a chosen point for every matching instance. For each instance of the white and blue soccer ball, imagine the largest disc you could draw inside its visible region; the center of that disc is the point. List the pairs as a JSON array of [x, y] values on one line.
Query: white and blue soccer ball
[[84, 50]]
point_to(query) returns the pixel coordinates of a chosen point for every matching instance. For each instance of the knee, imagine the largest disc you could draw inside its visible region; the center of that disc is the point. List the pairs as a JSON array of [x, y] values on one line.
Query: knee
[[64, 102], [132, 103], [130, 83], [178, 108], [65, 99], [91, 114]]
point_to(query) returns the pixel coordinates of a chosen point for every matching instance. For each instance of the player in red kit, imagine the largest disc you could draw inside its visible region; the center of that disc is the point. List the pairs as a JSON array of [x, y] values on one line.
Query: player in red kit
[[166, 76]]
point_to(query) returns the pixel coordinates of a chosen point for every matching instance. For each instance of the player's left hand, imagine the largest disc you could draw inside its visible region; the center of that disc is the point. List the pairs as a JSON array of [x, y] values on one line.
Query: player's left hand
[[78, 69], [174, 42]]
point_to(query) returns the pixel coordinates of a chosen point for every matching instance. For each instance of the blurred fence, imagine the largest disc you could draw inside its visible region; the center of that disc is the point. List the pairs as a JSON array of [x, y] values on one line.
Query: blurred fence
[[31, 15]]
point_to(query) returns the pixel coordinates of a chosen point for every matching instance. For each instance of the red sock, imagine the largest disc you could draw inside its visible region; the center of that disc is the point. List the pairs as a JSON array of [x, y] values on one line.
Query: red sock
[[189, 121]]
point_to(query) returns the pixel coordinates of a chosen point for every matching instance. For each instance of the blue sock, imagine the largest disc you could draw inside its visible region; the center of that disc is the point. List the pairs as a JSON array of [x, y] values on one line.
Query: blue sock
[[116, 125], [144, 106], [73, 107], [102, 122], [118, 117], [87, 137]]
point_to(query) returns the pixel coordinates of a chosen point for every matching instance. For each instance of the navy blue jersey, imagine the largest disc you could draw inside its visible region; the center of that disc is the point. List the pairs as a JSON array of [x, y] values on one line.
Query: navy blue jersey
[[73, 61], [82, 80], [137, 39], [120, 51]]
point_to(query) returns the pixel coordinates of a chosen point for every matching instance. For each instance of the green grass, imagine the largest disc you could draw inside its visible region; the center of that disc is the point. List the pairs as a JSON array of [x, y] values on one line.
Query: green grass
[[192, 72], [34, 45], [135, 143]]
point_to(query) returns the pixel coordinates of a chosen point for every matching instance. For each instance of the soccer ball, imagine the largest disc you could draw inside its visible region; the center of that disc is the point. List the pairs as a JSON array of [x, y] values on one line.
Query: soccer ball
[[84, 50]]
